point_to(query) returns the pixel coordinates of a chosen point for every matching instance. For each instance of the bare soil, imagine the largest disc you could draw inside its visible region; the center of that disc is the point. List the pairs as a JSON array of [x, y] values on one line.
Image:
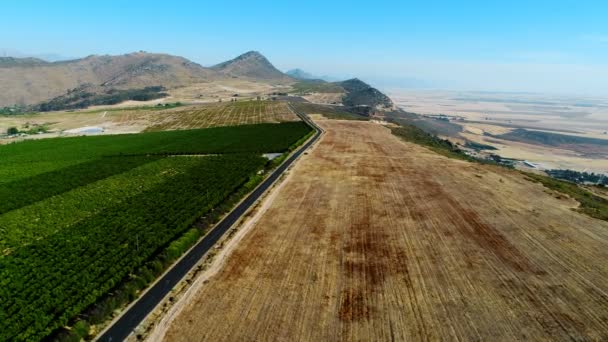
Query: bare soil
[[372, 238]]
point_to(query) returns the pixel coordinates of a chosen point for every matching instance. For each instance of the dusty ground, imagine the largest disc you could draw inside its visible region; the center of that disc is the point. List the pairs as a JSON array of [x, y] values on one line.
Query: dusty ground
[[499, 113], [588, 115], [225, 89], [325, 98], [375, 239], [546, 157]]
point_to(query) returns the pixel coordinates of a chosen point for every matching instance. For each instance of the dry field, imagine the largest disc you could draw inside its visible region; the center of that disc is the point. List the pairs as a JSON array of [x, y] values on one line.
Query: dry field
[[325, 98], [221, 114], [133, 120], [499, 113], [224, 89], [372, 239], [585, 114], [546, 157]]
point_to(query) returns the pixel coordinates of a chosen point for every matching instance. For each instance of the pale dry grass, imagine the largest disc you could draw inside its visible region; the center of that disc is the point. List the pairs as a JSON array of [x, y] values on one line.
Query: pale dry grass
[[224, 89], [222, 114], [134, 120], [376, 239], [324, 98]]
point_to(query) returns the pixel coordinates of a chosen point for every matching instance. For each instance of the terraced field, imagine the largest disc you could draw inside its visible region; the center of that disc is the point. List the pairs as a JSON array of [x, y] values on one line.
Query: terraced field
[[372, 238]]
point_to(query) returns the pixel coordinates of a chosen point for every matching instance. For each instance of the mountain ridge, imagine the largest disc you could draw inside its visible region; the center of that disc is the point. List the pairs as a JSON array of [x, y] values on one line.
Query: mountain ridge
[[25, 82], [251, 64], [359, 93], [29, 81], [34, 83], [303, 75]]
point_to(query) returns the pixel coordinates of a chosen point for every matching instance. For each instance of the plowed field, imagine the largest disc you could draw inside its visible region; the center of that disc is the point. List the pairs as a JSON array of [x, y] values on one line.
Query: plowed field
[[372, 238]]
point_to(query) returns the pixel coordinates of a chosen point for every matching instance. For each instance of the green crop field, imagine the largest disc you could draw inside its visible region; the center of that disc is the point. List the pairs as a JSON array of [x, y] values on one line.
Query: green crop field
[[79, 215]]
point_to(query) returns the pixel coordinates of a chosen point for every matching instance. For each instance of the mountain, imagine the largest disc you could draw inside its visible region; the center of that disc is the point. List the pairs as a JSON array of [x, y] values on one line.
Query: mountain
[[354, 94], [8, 62], [30, 81], [301, 74], [87, 81], [251, 65], [359, 93], [47, 57]]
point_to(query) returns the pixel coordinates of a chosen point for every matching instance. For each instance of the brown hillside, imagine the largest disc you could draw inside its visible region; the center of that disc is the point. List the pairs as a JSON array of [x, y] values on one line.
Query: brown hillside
[[252, 65], [30, 83]]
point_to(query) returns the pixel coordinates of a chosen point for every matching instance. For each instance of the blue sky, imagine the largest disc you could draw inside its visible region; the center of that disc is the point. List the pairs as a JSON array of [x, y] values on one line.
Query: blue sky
[[541, 46]]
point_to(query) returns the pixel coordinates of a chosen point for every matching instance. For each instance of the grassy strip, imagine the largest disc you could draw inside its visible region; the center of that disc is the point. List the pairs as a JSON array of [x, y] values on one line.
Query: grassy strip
[[330, 112], [304, 87], [441, 146], [591, 205], [345, 116], [278, 160]]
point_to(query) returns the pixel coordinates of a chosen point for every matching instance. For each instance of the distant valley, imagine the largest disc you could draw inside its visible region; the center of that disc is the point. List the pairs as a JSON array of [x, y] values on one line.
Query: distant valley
[[547, 131]]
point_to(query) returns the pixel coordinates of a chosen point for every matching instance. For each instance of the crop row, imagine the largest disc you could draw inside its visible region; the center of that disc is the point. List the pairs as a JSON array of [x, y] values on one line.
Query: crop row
[[259, 138], [33, 189], [36, 221], [47, 282], [11, 171], [229, 114]]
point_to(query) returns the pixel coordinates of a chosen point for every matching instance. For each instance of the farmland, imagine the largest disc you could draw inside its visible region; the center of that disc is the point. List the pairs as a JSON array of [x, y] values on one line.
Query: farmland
[[28, 158], [374, 238], [216, 115], [552, 132], [153, 118], [79, 216]]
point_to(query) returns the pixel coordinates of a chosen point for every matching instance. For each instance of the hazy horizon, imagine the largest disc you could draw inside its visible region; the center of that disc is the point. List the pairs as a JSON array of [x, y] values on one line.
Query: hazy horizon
[[545, 47]]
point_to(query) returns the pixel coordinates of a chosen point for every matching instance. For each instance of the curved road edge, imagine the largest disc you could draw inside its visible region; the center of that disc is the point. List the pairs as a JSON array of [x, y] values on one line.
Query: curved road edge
[[126, 323]]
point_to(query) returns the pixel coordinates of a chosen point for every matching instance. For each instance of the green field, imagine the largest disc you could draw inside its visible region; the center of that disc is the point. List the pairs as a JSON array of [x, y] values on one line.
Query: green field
[[32, 157], [328, 111], [312, 86], [78, 216]]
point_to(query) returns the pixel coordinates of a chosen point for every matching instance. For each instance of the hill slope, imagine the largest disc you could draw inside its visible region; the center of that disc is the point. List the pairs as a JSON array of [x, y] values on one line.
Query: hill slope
[[359, 93], [8, 62], [301, 74], [251, 65], [29, 81]]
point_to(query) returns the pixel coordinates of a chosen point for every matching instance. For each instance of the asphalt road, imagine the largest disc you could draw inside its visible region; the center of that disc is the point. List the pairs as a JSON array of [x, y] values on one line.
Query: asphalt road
[[130, 319]]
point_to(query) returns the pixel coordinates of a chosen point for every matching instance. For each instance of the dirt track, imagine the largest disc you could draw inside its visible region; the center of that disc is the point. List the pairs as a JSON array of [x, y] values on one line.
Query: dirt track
[[375, 239]]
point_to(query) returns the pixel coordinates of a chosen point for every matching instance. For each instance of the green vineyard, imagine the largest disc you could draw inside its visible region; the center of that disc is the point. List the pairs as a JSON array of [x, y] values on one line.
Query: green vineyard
[[100, 207]]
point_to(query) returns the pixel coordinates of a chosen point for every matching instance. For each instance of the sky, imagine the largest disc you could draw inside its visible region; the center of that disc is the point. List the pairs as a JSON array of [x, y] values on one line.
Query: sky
[[538, 46]]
